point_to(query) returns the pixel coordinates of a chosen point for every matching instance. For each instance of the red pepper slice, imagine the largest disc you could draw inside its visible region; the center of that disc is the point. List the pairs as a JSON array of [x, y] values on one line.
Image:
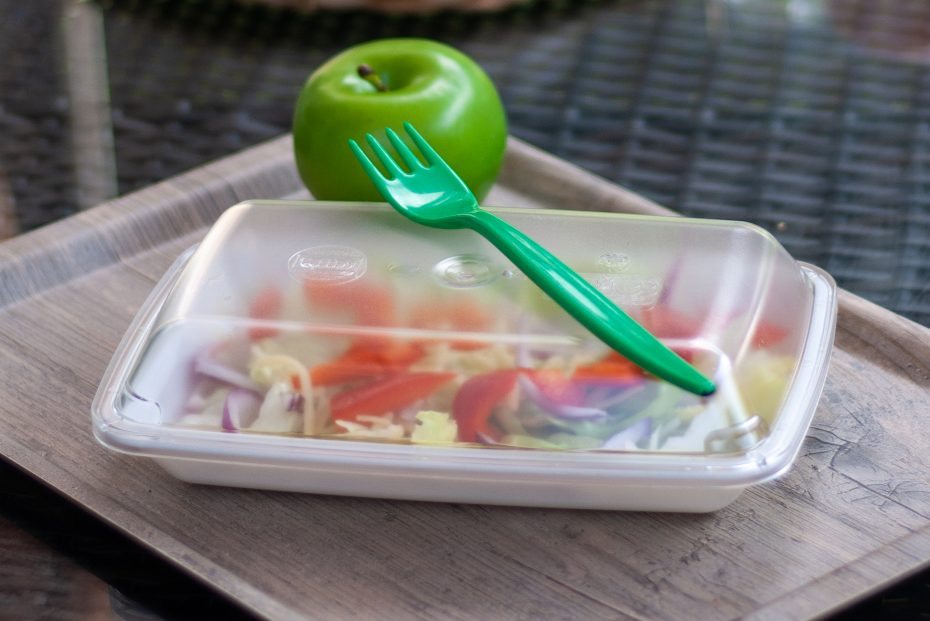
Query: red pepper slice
[[611, 366], [366, 359], [265, 305], [460, 315], [666, 323], [476, 399], [369, 303], [556, 386], [342, 372], [768, 334], [385, 351], [387, 395]]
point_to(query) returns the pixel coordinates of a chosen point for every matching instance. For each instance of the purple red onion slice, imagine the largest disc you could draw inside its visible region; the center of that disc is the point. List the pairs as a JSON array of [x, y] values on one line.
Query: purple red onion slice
[[560, 410], [240, 409]]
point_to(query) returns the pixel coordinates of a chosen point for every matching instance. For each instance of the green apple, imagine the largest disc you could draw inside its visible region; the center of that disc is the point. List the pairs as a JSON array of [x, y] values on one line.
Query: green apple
[[367, 88]]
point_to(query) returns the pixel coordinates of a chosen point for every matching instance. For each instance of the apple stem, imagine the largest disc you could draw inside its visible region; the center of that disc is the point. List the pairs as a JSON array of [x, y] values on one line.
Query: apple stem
[[368, 74]]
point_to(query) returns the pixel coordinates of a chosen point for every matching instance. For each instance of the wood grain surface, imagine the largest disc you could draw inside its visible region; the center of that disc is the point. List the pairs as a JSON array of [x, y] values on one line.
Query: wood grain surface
[[852, 514]]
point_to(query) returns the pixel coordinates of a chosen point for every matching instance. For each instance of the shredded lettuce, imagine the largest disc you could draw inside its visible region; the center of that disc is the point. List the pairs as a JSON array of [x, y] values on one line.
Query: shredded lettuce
[[762, 379], [267, 369], [273, 415], [633, 414], [434, 427], [352, 429]]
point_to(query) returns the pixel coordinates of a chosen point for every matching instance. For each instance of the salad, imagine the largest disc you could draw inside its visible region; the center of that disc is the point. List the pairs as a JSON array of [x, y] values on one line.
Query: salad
[[447, 377]]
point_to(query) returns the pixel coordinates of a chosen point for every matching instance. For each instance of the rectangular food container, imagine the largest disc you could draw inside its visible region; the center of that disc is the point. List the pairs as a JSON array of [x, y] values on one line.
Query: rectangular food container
[[338, 348]]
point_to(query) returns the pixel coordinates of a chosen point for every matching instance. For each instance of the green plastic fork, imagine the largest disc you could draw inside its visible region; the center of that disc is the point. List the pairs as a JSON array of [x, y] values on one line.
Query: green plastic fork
[[433, 195]]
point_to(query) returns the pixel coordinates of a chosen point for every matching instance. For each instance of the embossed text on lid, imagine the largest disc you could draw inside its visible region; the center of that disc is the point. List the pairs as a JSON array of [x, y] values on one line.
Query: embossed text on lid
[[332, 264]]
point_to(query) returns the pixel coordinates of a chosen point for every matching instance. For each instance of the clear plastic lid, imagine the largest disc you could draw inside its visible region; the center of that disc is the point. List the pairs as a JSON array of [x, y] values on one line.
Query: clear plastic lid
[[335, 323]]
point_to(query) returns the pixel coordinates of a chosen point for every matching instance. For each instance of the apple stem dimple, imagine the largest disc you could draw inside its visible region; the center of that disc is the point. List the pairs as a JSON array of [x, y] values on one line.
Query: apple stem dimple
[[368, 74]]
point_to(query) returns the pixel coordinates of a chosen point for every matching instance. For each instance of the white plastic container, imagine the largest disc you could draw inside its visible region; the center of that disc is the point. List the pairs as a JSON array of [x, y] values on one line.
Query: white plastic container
[[298, 347]]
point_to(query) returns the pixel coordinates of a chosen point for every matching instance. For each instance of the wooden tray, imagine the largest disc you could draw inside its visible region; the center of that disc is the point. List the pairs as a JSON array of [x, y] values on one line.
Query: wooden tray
[[852, 515]]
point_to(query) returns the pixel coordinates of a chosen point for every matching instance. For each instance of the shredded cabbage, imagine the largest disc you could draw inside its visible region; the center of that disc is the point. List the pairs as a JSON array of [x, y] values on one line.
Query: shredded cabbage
[[391, 431], [762, 379], [441, 357], [211, 411], [434, 427], [280, 366], [274, 415], [267, 369]]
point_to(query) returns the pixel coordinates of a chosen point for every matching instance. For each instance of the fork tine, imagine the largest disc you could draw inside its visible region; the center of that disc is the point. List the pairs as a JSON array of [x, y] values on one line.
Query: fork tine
[[370, 169], [403, 150], [428, 153], [389, 164]]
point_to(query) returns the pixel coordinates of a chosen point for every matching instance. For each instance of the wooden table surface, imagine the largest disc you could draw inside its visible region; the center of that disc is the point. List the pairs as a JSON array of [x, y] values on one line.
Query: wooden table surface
[[852, 514]]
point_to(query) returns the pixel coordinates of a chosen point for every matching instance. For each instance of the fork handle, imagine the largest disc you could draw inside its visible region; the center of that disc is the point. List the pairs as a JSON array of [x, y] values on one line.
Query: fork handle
[[588, 305]]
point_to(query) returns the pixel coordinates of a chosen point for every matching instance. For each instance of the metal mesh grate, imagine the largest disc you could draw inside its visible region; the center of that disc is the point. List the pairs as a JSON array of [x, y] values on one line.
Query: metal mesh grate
[[727, 110], [35, 167]]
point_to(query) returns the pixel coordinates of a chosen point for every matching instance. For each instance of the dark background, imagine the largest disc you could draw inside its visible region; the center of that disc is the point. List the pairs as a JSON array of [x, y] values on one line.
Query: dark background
[[810, 118]]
